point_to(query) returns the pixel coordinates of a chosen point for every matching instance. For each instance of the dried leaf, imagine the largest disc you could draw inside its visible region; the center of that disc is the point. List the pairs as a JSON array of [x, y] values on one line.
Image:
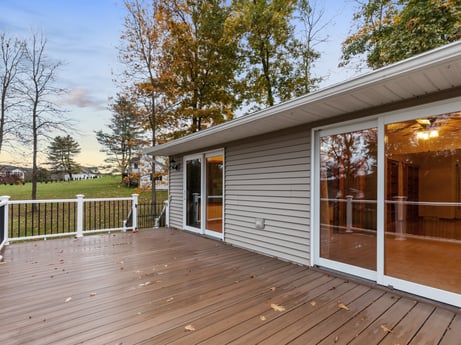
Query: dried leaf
[[68, 299], [385, 329], [313, 303], [91, 294], [190, 328], [343, 306], [262, 318], [273, 288], [277, 307], [336, 339], [170, 299]]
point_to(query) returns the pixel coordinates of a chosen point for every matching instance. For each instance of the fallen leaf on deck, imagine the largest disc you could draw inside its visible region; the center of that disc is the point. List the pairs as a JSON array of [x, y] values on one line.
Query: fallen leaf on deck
[[170, 299], [190, 328], [343, 306], [262, 318], [122, 262], [313, 303], [91, 294], [273, 288], [336, 339], [385, 329], [277, 307], [68, 299]]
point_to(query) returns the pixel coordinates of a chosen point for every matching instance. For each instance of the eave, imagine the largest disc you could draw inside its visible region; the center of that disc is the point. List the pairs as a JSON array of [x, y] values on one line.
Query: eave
[[428, 73]]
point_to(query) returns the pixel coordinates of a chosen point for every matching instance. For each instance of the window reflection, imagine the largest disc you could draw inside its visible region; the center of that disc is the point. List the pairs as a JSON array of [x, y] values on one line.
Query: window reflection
[[423, 206], [348, 197]]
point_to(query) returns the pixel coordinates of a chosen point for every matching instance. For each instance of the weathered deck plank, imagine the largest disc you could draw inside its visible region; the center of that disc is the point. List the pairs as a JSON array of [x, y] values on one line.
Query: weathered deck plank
[[146, 288]]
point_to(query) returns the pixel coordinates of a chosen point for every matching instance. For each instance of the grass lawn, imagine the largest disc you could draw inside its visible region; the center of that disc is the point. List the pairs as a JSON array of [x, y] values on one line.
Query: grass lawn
[[104, 187]]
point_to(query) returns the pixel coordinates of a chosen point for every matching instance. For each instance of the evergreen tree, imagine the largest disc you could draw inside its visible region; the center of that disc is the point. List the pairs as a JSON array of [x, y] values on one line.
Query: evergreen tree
[[124, 140], [61, 153]]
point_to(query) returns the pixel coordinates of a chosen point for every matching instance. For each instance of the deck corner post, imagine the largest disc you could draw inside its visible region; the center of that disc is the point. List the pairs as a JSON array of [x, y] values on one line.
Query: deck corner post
[[135, 212], [80, 215]]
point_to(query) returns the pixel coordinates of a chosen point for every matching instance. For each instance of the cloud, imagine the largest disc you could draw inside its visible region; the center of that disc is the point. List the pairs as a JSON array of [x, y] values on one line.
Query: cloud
[[81, 98]]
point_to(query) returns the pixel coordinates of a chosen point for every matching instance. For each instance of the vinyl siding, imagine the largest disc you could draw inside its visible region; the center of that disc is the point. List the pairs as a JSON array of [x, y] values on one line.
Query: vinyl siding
[[176, 196], [269, 178]]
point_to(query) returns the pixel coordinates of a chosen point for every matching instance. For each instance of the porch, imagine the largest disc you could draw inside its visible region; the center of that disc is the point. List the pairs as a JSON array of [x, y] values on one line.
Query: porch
[[167, 286]]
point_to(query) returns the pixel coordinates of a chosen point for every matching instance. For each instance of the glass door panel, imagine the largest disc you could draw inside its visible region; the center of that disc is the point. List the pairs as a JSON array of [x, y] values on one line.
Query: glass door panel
[[193, 192], [214, 193], [348, 198], [422, 242]]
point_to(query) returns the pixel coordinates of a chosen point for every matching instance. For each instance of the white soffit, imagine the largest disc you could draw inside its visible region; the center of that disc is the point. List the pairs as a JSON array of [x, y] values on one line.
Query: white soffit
[[430, 72]]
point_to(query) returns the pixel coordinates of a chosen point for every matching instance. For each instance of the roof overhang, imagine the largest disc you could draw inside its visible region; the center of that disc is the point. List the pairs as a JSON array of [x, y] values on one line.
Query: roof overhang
[[431, 72]]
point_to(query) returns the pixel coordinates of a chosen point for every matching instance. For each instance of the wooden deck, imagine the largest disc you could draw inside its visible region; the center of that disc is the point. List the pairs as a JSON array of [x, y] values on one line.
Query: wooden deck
[[172, 287]]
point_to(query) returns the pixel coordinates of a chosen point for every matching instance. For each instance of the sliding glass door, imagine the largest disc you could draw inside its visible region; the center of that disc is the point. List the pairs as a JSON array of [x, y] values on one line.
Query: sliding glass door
[[348, 200], [387, 200], [214, 193], [193, 193], [204, 193]]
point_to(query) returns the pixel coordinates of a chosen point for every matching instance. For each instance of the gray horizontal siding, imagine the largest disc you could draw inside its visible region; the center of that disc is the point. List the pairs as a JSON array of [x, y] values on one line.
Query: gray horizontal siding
[[176, 195], [269, 178]]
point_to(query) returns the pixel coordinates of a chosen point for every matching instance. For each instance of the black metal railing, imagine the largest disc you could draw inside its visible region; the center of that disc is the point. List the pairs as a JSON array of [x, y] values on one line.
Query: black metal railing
[[146, 215], [105, 214], [45, 218]]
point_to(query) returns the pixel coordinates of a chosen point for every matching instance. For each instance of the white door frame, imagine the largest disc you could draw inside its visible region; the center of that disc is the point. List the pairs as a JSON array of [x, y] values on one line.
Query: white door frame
[[202, 230], [379, 121]]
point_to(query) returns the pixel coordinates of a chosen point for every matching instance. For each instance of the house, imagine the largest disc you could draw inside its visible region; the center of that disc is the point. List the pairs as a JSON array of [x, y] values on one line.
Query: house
[[140, 169], [362, 177]]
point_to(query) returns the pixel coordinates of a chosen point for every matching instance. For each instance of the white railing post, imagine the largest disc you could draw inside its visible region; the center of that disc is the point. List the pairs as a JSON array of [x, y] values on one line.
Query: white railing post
[[167, 213], [80, 215], [400, 217], [349, 213], [5, 199], [135, 212]]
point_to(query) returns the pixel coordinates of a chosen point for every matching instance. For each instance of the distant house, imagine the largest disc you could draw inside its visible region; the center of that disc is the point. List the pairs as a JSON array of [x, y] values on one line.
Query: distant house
[[11, 176], [141, 168], [362, 177]]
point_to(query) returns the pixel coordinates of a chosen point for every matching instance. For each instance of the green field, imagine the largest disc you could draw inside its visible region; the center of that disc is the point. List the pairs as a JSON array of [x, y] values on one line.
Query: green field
[[104, 187]]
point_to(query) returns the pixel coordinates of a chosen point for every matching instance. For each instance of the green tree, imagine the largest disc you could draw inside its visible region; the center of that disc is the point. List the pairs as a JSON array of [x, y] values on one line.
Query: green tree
[[267, 45], [392, 30], [124, 140], [61, 153]]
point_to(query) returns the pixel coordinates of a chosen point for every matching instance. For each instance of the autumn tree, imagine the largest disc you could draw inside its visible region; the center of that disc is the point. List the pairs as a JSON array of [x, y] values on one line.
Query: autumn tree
[[392, 30], [124, 140], [201, 61], [61, 153], [41, 115], [12, 56]]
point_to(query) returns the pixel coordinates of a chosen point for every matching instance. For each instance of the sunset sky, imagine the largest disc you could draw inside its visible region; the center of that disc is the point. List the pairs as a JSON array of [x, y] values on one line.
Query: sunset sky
[[84, 34]]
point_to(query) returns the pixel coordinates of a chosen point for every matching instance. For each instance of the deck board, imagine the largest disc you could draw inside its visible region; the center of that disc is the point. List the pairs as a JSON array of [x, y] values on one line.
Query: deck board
[[145, 288]]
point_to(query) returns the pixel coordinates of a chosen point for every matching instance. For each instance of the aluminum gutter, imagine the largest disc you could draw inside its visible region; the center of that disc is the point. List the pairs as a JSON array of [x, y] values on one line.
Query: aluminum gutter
[[287, 114]]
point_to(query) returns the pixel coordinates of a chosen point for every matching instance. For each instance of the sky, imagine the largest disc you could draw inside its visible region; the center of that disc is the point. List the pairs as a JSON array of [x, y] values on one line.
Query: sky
[[84, 35]]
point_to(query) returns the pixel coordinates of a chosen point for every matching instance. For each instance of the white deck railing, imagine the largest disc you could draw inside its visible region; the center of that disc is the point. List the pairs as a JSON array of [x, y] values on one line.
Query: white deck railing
[[42, 219]]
